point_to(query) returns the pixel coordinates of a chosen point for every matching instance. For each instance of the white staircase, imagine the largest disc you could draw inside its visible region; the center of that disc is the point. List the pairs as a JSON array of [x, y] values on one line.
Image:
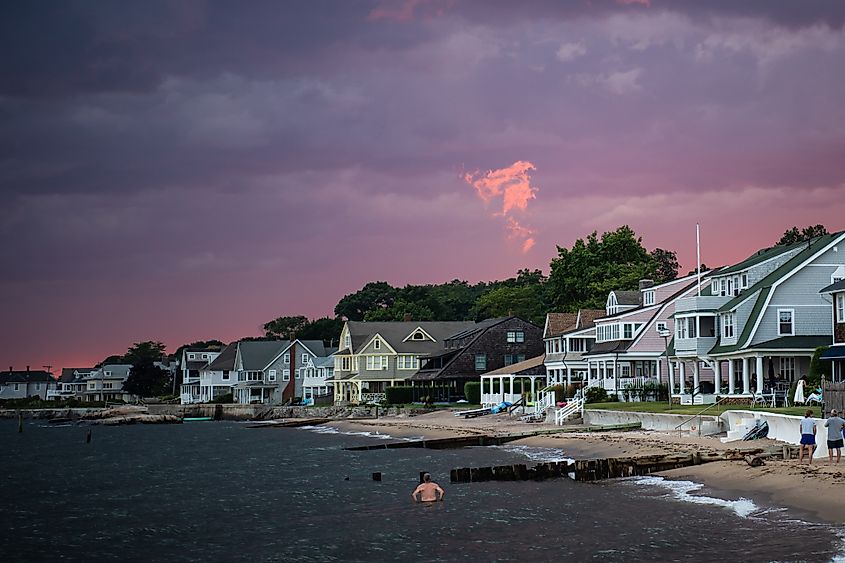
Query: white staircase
[[574, 406]]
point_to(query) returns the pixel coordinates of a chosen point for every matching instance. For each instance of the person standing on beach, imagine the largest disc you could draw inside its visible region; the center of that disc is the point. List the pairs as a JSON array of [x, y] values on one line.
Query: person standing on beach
[[428, 491], [835, 425], [808, 436]]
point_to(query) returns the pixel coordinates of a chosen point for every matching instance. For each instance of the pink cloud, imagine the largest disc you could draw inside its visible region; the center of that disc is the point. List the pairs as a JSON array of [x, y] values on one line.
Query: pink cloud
[[646, 3], [513, 185], [404, 11]]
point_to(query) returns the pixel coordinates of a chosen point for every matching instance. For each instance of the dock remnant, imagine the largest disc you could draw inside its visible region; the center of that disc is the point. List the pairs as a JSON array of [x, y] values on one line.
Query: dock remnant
[[289, 423], [519, 472]]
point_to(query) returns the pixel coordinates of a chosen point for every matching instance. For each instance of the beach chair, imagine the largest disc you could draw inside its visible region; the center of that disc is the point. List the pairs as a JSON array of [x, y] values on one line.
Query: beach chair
[[815, 397]]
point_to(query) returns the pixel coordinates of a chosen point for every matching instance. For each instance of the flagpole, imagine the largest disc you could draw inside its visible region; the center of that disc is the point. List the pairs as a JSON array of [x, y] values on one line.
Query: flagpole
[[698, 256]]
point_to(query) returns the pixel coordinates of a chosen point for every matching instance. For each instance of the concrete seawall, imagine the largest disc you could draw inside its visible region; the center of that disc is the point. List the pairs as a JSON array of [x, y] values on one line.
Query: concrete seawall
[[782, 427], [652, 421]]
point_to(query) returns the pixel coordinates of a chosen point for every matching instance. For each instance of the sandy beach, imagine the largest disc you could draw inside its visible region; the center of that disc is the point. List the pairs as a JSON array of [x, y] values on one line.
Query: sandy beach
[[815, 491]]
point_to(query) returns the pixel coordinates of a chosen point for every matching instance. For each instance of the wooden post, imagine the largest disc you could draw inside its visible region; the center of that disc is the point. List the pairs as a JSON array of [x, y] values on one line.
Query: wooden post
[[88, 436], [20, 422], [377, 476]]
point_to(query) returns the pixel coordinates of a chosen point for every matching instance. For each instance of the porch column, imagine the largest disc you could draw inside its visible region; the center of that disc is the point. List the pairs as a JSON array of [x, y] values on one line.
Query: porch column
[[746, 377], [731, 378], [696, 376], [671, 376], [568, 376], [682, 375], [717, 376], [759, 374]]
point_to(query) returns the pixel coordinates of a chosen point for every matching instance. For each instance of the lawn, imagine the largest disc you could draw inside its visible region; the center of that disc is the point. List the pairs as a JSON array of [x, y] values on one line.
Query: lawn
[[665, 408]]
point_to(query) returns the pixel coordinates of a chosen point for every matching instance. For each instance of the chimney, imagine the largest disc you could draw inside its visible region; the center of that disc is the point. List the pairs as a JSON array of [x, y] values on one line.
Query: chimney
[[645, 284], [407, 317], [27, 369]]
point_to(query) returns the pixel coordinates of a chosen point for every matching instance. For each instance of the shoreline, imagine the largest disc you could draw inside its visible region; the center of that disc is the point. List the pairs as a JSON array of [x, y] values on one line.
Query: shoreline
[[815, 492]]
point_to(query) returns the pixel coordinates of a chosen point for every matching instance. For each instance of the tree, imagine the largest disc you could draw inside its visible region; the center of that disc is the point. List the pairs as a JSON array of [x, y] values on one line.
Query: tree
[[114, 359], [666, 268], [372, 296], [525, 302], [582, 277], [142, 353], [793, 235], [399, 311], [704, 268], [285, 327], [325, 329], [147, 380]]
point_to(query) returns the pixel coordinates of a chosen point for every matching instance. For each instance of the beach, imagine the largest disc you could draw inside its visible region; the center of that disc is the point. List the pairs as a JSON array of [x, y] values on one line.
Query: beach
[[816, 492]]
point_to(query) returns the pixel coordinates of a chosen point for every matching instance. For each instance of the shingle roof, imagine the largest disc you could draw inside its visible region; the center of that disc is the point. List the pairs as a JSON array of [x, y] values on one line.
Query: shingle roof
[[533, 365], [25, 376], [315, 346], [625, 297], [68, 374], [226, 360], [396, 331], [810, 342], [257, 354], [558, 323], [834, 287], [610, 347], [323, 362]]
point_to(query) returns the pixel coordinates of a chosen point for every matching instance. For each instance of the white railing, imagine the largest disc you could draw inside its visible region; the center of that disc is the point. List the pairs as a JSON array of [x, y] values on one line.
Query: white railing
[[373, 397], [493, 399], [576, 404], [546, 401]]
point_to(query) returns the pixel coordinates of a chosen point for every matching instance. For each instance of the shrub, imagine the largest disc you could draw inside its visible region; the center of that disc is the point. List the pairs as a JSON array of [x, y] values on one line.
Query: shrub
[[818, 368], [596, 395], [399, 395], [472, 391]]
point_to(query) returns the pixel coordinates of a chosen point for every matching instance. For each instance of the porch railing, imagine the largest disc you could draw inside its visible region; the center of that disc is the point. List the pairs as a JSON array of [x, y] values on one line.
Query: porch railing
[[373, 397]]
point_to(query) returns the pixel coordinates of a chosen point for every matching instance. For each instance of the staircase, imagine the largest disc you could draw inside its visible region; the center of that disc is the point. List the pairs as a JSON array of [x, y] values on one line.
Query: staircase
[[575, 405]]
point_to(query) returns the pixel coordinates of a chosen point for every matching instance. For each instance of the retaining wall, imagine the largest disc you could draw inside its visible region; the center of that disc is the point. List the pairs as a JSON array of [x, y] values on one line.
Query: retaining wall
[[653, 421], [782, 427]]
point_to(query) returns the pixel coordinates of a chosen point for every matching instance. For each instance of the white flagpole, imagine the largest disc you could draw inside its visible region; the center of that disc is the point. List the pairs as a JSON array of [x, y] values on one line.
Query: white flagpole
[[698, 256]]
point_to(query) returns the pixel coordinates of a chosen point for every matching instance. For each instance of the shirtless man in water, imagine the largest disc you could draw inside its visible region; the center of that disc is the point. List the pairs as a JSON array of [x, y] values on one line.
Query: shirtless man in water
[[428, 491]]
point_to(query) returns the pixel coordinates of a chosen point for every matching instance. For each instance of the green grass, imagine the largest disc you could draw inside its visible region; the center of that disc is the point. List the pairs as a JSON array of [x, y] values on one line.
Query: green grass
[[665, 408]]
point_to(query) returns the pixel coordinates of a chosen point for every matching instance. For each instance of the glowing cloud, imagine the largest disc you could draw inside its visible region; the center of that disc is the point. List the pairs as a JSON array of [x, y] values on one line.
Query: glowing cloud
[[513, 186]]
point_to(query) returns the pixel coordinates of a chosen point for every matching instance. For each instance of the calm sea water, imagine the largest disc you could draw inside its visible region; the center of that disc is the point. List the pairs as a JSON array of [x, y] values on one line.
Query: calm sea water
[[224, 492]]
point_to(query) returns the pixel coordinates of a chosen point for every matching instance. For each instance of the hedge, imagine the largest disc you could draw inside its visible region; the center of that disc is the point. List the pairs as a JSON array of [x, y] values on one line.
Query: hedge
[[472, 392]]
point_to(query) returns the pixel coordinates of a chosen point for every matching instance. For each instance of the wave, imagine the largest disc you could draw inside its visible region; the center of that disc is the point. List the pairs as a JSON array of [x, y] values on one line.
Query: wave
[[377, 435], [682, 490], [537, 454]]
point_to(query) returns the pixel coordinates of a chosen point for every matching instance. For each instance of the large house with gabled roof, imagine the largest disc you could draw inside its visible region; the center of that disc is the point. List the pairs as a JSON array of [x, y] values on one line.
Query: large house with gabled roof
[[757, 323], [377, 355], [567, 337], [20, 384]]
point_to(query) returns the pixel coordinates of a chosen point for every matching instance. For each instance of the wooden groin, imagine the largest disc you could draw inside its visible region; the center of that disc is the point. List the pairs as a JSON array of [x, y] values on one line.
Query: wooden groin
[[289, 423], [489, 439], [519, 472]]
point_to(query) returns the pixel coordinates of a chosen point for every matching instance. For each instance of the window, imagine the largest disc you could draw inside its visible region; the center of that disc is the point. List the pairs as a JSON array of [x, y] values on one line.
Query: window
[[736, 285], [681, 329], [108, 373], [407, 361], [787, 368], [728, 325], [730, 283], [376, 362], [625, 370], [345, 363], [300, 373], [785, 322], [418, 335], [723, 287], [714, 287], [226, 374], [840, 308], [376, 344], [648, 298], [628, 331], [272, 375], [192, 356], [661, 326], [287, 358], [285, 375], [481, 362], [516, 336], [305, 358], [347, 341], [205, 356], [744, 281], [577, 345]]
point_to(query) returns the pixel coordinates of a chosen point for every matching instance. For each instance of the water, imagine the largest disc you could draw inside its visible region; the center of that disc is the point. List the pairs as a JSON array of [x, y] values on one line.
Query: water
[[223, 492]]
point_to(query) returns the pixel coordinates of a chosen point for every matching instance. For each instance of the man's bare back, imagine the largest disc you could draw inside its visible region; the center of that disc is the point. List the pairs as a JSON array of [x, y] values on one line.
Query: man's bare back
[[428, 491]]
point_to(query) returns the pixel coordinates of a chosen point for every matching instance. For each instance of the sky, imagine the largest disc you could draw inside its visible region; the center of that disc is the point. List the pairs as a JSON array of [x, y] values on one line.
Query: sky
[[187, 170]]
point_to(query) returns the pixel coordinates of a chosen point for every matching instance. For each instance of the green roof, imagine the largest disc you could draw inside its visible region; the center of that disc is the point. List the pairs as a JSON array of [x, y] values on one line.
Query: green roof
[[762, 296], [761, 256], [788, 342]]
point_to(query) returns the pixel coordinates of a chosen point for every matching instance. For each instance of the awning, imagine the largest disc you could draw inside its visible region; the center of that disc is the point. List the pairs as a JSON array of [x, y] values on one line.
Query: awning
[[833, 353]]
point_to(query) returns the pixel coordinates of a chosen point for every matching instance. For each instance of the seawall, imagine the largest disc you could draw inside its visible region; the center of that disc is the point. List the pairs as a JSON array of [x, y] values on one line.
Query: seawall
[[653, 421]]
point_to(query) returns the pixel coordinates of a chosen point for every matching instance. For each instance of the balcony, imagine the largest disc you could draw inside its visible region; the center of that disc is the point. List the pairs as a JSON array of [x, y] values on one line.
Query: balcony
[[700, 303], [691, 347]]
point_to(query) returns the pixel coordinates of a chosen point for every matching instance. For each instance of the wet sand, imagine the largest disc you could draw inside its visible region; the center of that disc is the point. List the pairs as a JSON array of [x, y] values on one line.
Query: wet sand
[[817, 491]]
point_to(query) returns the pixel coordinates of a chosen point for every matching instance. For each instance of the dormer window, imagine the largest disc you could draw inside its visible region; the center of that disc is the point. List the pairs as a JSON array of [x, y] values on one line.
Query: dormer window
[[744, 281], [417, 336], [376, 344], [648, 298]]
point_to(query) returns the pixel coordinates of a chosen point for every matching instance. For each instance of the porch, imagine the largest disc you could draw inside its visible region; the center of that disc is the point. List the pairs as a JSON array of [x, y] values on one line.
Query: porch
[[511, 388]]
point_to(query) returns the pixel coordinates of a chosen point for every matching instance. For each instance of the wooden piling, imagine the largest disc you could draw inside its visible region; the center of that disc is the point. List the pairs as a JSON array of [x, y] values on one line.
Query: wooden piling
[[20, 422], [88, 436], [377, 476]]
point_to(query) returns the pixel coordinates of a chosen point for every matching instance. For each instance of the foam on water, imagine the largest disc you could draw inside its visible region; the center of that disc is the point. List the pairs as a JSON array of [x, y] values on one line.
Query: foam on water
[[377, 435], [682, 490], [536, 453]]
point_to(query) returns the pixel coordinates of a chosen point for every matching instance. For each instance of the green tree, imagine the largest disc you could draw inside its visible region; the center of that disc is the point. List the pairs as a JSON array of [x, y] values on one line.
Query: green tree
[[142, 353], [582, 277], [525, 302], [399, 311], [666, 265], [793, 235], [113, 359], [372, 296], [325, 329], [285, 328], [148, 380], [819, 368], [704, 268]]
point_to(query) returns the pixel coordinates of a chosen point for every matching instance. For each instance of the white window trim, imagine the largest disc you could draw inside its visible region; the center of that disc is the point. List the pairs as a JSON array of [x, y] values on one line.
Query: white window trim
[[286, 358], [376, 344], [285, 375], [272, 375], [840, 308], [305, 358], [791, 324]]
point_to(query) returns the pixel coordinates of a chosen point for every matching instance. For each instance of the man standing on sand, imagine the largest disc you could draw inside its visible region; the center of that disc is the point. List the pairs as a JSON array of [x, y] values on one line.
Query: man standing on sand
[[834, 424], [808, 436], [428, 491]]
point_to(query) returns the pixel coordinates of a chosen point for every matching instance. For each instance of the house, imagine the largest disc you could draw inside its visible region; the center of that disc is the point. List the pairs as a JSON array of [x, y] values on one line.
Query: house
[[192, 362], [319, 371], [567, 337], [377, 355], [757, 324], [632, 341], [218, 377], [261, 368], [28, 383], [836, 353], [71, 383], [485, 346], [511, 383], [106, 383], [302, 354]]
